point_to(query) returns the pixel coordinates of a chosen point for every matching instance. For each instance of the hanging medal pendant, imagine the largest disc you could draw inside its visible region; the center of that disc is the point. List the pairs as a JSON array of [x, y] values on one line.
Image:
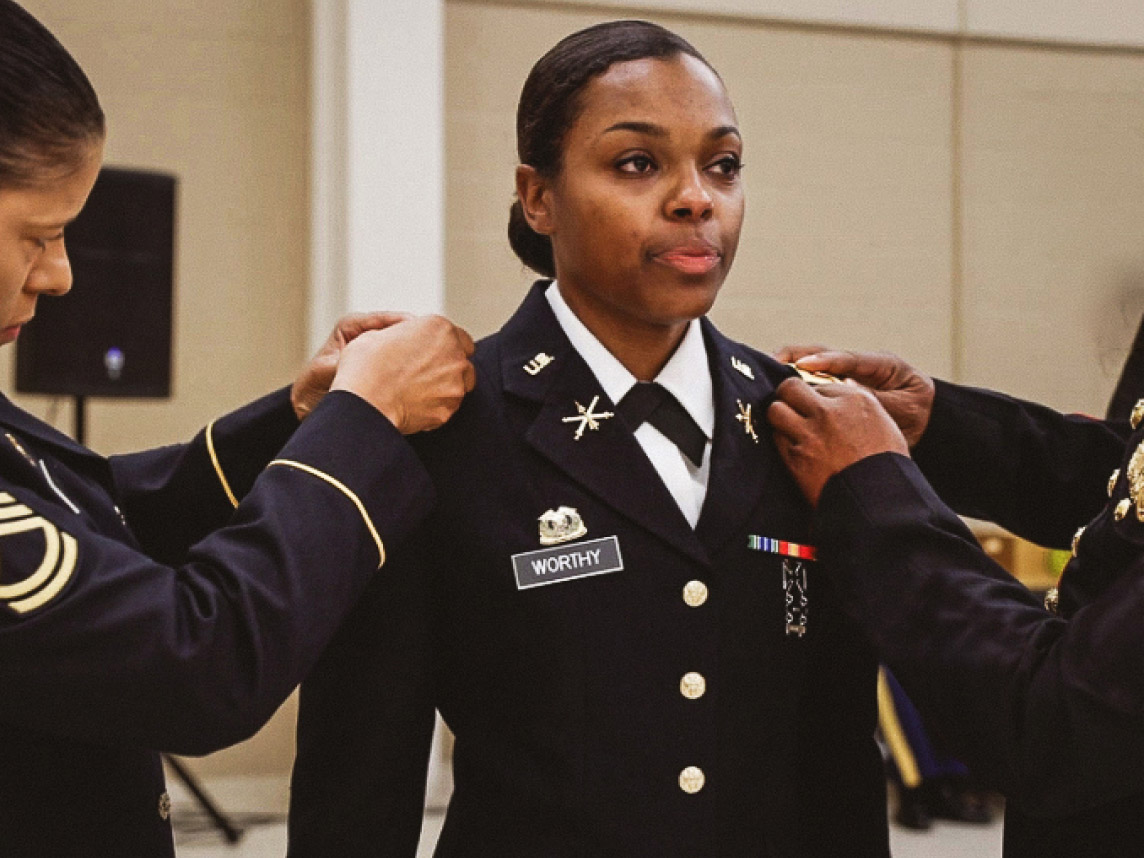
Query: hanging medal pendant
[[794, 586]]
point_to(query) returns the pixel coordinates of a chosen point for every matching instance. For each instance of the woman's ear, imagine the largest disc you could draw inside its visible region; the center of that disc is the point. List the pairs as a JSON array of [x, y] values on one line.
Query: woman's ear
[[535, 196]]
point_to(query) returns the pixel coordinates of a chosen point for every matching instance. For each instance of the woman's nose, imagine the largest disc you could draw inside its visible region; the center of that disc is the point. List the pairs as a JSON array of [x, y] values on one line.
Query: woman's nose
[[52, 274], [690, 199]]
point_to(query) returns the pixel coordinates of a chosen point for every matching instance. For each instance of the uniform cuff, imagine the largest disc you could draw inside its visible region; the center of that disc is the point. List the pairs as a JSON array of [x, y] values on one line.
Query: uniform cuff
[[242, 442], [352, 446]]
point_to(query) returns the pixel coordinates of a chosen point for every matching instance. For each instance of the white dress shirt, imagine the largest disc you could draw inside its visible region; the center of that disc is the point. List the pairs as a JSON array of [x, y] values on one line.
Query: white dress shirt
[[687, 375]]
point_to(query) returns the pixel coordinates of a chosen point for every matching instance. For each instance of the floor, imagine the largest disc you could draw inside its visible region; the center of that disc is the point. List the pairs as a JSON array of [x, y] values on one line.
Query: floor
[[259, 805]]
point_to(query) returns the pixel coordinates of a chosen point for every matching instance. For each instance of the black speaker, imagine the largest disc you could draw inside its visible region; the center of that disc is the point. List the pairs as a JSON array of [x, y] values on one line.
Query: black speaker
[[111, 335]]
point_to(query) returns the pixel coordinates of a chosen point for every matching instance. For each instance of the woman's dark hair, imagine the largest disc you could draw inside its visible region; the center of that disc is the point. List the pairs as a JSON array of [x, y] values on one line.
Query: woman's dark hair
[[49, 112], [550, 104]]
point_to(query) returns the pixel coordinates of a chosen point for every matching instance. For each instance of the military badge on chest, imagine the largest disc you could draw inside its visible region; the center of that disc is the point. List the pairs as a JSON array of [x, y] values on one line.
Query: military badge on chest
[[565, 559], [794, 579]]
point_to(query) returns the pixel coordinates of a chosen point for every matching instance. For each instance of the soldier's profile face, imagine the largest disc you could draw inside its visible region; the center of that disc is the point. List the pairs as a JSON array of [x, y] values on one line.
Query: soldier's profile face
[[33, 257], [646, 210]]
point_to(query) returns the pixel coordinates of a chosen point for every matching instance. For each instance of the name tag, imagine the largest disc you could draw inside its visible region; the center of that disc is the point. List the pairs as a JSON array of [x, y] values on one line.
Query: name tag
[[567, 562]]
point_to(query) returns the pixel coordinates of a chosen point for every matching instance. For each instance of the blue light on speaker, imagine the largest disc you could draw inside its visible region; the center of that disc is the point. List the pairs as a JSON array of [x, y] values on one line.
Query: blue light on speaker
[[113, 361]]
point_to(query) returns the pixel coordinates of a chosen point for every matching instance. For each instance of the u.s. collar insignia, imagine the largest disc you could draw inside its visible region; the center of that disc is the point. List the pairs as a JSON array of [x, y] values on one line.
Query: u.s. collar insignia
[[534, 366], [743, 368], [1136, 480], [588, 418], [54, 552], [1137, 413], [562, 524], [744, 417]]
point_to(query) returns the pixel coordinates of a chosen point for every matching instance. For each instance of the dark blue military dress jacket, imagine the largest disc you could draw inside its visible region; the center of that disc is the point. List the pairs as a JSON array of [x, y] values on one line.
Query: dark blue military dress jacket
[[618, 683], [1049, 707], [140, 611]]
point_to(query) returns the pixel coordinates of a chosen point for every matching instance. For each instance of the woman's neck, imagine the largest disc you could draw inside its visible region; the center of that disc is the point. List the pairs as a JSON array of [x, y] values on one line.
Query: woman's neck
[[643, 348]]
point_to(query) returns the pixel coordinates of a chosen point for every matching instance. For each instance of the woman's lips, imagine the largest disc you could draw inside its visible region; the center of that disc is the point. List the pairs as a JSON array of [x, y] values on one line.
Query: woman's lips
[[690, 260]]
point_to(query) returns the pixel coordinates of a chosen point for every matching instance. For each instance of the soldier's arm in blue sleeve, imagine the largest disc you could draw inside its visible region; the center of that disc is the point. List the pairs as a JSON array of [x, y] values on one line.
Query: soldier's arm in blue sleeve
[[1049, 710], [365, 725], [174, 496], [1037, 472], [189, 658]]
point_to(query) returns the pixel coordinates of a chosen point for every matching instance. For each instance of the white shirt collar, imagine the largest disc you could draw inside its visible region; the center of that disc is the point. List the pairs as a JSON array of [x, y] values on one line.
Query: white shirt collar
[[687, 373]]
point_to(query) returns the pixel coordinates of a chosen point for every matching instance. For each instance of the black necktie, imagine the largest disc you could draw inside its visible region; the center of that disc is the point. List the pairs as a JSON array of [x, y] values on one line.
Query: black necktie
[[648, 402]]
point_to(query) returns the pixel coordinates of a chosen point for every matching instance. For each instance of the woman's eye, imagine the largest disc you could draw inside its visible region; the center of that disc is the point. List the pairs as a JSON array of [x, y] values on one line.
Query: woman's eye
[[636, 164], [728, 166]]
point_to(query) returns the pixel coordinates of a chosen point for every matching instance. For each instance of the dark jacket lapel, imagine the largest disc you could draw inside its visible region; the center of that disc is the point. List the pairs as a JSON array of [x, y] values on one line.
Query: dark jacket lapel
[[740, 464], [27, 428], [539, 364]]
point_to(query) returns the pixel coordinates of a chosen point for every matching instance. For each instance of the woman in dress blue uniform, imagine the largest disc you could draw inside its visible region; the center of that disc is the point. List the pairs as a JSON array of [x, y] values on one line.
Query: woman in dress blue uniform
[[170, 600], [1045, 700], [627, 633]]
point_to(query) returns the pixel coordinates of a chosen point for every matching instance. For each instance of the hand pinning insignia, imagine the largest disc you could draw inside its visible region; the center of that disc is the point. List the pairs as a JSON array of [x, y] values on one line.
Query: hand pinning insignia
[[588, 418], [744, 417], [534, 366], [743, 368]]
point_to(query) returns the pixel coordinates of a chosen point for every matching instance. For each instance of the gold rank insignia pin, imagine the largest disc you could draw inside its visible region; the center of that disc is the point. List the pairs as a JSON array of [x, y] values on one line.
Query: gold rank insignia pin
[[815, 379], [1137, 413], [588, 418], [534, 366], [744, 417], [562, 524], [743, 367]]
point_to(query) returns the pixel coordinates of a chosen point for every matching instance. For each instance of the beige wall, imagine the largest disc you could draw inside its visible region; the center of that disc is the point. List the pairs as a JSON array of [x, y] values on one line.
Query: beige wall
[[975, 206]]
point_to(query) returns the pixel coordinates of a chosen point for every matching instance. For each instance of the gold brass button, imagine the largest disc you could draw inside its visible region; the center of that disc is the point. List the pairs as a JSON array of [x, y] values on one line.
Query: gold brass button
[[1076, 540], [1137, 413], [693, 685], [1122, 509], [695, 593], [692, 779], [1053, 601], [164, 806]]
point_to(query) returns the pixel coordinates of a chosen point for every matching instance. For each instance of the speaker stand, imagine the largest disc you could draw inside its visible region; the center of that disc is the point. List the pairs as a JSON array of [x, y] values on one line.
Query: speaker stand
[[80, 417], [218, 818]]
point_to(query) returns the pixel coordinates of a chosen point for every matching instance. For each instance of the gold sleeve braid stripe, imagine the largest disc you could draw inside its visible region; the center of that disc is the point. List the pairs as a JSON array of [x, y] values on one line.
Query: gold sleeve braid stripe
[[344, 489], [217, 466], [895, 738]]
